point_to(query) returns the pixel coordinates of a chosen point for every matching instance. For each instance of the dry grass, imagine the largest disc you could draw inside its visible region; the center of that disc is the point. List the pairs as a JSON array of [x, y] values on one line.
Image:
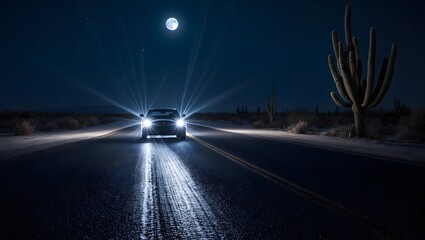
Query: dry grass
[[88, 121], [295, 118], [25, 123], [412, 127], [379, 125], [301, 127], [374, 129], [342, 131], [24, 127], [71, 124], [258, 124]]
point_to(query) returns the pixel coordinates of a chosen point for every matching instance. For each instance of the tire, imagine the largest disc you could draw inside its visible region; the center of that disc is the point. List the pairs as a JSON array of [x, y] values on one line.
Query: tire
[[183, 135], [144, 135]]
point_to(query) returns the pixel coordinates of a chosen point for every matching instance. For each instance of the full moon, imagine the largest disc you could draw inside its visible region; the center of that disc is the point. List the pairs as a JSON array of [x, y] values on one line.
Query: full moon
[[172, 24]]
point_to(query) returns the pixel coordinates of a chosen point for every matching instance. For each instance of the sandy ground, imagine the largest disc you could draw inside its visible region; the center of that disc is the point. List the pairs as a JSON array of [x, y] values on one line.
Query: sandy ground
[[413, 153], [12, 146]]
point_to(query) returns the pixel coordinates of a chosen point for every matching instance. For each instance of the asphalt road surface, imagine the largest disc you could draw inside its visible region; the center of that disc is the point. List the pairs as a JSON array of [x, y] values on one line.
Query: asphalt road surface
[[213, 185]]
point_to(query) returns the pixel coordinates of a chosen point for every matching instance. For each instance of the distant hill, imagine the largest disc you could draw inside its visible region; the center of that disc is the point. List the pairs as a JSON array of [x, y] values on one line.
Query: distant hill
[[85, 109]]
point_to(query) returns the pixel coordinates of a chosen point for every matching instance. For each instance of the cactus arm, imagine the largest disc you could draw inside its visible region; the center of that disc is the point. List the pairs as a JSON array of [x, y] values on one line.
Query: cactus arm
[[347, 81], [356, 64], [338, 82], [348, 26], [381, 78], [358, 59], [353, 74], [388, 76], [352, 62], [370, 66], [357, 92], [335, 42], [339, 102]]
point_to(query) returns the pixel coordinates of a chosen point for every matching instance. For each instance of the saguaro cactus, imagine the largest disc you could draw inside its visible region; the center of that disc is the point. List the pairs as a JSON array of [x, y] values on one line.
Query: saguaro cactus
[[271, 106], [358, 93], [400, 107]]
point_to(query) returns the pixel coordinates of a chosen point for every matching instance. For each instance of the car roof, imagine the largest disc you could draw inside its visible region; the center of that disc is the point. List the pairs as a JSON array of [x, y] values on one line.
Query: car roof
[[162, 109]]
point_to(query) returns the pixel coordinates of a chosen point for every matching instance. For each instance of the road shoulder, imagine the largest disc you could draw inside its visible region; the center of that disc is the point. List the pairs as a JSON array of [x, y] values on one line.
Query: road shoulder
[[401, 152], [14, 146]]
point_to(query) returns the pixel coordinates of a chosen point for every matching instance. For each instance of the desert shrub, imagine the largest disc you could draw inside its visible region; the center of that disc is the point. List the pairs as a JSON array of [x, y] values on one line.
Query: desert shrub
[[105, 120], [236, 120], [295, 118], [407, 134], [50, 126], [88, 121], [254, 117], [92, 121], [342, 131], [390, 129], [24, 127], [300, 128], [82, 121], [331, 132], [280, 123], [258, 124], [71, 124], [412, 127]]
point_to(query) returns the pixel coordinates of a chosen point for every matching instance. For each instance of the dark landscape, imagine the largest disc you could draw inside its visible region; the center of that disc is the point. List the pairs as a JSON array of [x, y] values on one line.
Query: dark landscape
[[212, 120]]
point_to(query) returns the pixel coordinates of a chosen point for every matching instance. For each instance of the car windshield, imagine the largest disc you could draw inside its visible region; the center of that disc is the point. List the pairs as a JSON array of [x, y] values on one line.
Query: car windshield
[[160, 113]]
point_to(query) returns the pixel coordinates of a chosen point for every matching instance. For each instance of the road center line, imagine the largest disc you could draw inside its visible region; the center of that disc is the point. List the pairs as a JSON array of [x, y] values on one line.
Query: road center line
[[305, 193]]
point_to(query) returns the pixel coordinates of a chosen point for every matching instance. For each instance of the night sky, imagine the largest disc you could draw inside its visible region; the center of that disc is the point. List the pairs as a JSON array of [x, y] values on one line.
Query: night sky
[[224, 53]]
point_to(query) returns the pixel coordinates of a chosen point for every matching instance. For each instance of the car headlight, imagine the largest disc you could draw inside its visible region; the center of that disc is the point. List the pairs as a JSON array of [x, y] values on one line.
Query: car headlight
[[147, 123], [180, 123]]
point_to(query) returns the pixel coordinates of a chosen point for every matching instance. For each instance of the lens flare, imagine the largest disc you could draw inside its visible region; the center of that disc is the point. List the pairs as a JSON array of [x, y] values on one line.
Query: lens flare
[[180, 123], [147, 123]]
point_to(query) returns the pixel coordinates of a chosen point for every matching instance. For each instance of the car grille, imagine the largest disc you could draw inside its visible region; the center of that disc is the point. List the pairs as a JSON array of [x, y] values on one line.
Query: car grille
[[163, 123]]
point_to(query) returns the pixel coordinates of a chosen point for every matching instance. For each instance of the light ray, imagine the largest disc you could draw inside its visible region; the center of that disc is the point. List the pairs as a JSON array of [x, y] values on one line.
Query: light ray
[[129, 87], [108, 99], [200, 93], [193, 57], [155, 96], [215, 100], [133, 70]]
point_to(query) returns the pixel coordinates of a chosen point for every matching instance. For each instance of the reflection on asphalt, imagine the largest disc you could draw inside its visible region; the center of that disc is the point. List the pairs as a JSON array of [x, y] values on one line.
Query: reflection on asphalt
[[172, 203]]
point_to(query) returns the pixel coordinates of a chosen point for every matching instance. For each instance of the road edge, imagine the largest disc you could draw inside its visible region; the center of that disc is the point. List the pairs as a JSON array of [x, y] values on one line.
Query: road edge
[[329, 148], [8, 159]]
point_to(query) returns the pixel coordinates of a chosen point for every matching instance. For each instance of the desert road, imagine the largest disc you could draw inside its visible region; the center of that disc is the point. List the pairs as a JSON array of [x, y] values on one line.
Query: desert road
[[213, 185]]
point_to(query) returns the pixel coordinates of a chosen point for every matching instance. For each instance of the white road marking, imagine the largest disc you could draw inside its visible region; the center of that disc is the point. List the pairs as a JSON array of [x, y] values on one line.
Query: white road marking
[[303, 192], [173, 204]]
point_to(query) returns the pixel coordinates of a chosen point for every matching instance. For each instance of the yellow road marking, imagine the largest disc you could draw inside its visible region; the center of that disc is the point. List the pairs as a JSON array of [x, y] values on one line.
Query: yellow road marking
[[303, 192]]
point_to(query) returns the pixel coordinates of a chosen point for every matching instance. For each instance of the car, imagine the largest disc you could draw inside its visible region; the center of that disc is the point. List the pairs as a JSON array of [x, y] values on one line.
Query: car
[[163, 121]]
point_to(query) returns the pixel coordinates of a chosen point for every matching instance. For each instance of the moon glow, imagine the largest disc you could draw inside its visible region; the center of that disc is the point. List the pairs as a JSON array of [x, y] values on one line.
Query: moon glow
[[172, 24]]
